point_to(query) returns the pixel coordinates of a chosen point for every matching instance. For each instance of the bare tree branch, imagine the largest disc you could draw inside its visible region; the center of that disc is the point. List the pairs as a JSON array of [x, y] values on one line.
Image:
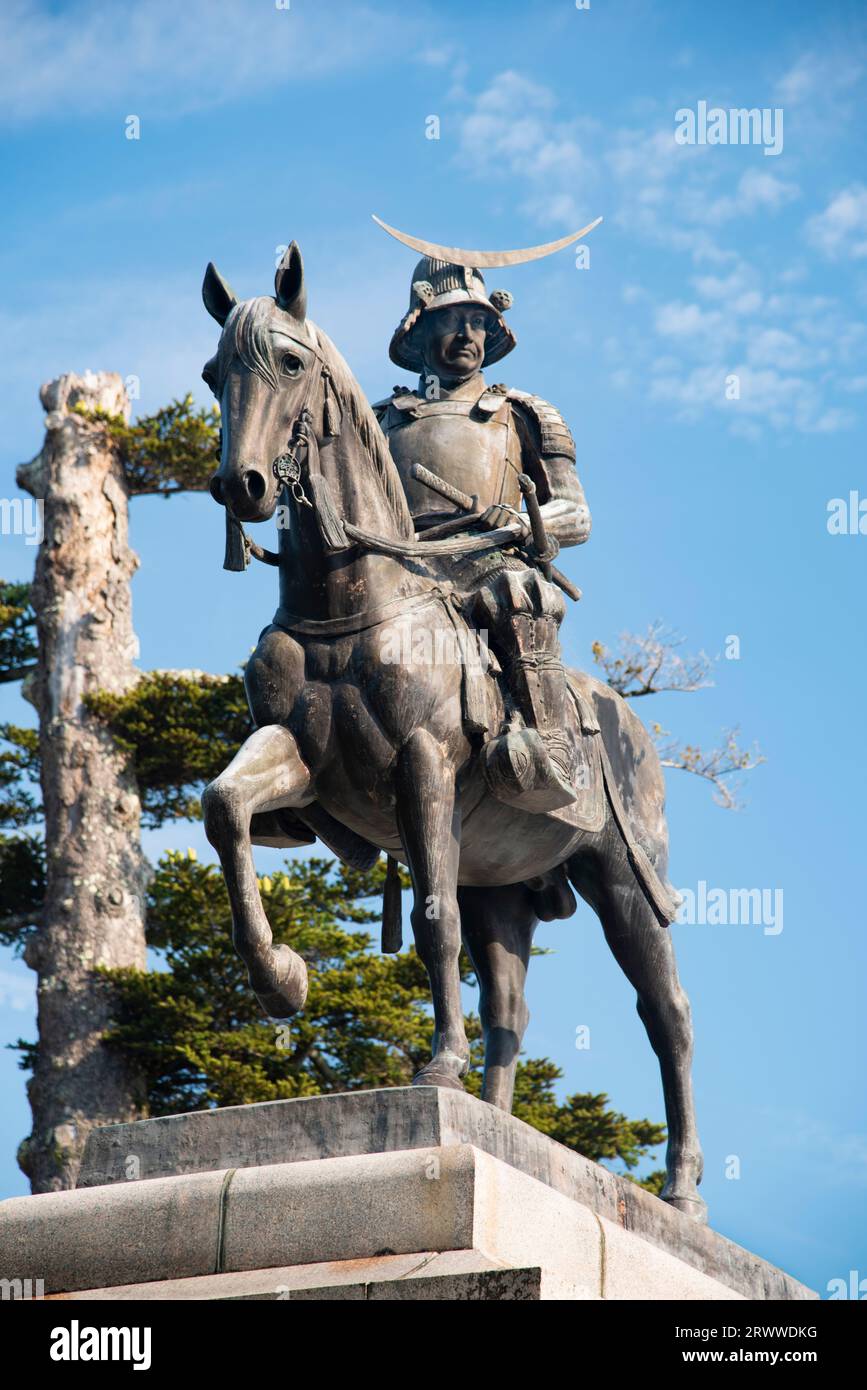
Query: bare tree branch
[[17, 672], [716, 766], [649, 664], [325, 1071]]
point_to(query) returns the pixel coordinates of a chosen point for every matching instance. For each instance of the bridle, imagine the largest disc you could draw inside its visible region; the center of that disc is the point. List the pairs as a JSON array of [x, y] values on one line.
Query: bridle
[[287, 467]]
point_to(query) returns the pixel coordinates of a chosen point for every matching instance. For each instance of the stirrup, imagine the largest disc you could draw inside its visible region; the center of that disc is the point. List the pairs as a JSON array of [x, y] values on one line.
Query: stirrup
[[520, 772]]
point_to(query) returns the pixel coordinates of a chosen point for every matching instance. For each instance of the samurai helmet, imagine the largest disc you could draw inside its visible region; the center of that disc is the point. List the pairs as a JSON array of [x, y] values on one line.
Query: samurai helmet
[[438, 285]]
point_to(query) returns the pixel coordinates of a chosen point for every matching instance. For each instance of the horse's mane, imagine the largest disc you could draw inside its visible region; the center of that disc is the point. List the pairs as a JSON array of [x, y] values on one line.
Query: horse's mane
[[366, 426], [246, 336]]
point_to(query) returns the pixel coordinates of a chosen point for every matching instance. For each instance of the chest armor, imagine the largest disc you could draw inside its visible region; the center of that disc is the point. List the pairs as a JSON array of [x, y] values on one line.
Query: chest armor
[[471, 444]]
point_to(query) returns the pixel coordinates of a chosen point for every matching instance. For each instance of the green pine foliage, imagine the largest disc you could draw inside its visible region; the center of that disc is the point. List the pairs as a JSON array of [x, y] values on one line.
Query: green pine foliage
[[19, 775], [181, 728], [17, 631], [170, 451], [22, 853], [22, 887]]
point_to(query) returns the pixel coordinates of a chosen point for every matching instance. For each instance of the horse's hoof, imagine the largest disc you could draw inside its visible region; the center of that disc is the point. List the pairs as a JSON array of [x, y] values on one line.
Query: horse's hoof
[[282, 990], [438, 1078], [693, 1207], [437, 1073]]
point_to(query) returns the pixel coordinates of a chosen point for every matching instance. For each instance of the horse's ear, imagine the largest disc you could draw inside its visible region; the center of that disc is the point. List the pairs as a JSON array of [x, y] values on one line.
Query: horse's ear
[[220, 299], [289, 284]]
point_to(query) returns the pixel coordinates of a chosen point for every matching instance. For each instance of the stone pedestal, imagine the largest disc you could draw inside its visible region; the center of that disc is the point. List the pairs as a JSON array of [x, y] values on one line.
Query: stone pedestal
[[410, 1193]]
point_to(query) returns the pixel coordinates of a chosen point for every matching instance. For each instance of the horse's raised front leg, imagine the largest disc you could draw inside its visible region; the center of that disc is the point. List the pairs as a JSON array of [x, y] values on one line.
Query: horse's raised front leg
[[430, 831], [497, 926], [265, 774]]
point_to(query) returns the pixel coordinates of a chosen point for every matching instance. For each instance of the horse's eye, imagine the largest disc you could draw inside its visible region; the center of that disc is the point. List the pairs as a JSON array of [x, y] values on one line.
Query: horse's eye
[[291, 365]]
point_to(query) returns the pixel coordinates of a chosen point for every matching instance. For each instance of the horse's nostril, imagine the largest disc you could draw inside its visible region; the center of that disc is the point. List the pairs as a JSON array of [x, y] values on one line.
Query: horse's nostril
[[255, 485], [215, 487]]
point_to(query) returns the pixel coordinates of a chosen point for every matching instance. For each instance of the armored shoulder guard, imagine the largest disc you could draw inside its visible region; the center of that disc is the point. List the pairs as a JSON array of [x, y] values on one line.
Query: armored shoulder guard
[[555, 435]]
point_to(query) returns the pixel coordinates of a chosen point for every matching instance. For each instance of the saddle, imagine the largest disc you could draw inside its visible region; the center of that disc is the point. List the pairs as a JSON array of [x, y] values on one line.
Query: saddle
[[480, 671]]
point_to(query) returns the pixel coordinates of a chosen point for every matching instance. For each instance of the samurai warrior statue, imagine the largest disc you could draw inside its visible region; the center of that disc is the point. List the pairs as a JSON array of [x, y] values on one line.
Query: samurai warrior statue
[[480, 439]]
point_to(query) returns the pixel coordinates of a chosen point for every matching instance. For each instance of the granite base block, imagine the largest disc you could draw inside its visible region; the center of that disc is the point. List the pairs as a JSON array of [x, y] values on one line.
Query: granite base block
[[325, 1191]]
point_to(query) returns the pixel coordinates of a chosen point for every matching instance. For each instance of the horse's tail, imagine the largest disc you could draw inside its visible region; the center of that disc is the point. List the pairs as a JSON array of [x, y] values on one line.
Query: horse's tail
[[634, 785]]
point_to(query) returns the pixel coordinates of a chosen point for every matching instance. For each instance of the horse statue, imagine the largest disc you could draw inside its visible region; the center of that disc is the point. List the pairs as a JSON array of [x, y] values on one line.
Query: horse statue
[[361, 724]]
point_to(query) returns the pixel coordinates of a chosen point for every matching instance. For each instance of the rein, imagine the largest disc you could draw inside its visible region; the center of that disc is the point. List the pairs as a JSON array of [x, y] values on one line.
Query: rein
[[358, 622], [368, 540]]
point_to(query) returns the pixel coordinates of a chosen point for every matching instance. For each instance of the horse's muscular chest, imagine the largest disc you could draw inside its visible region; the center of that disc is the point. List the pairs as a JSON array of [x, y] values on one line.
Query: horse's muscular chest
[[348, 729]]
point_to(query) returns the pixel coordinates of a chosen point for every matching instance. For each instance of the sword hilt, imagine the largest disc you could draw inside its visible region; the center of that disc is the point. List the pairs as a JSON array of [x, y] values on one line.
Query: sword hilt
[[545, 552], [438, 484]]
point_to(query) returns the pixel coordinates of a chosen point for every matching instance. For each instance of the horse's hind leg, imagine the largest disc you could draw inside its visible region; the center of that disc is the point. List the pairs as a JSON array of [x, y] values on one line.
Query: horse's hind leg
[[645, 952], [497, 926], [265, 774]]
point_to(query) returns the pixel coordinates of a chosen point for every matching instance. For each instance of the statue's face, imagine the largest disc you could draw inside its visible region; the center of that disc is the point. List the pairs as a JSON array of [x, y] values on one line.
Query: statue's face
[[454, 340]]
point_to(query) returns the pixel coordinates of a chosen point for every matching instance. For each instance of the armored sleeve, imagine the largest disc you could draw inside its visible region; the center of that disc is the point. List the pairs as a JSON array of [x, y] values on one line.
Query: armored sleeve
[[548, 452], [549, 433]]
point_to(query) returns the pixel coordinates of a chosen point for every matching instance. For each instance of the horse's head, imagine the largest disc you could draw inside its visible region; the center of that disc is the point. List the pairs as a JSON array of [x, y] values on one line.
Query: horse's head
[[262, 375]]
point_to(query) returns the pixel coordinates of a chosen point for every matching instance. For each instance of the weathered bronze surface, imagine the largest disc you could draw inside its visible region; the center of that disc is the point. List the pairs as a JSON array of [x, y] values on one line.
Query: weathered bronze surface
[[385, 721]]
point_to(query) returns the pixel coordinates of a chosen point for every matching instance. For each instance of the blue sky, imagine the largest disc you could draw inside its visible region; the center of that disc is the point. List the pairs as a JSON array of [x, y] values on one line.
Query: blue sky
[[710, 514]]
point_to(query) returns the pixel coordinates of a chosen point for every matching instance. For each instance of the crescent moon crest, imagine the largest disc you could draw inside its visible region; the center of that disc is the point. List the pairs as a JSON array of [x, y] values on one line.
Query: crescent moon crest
[[482, 260]]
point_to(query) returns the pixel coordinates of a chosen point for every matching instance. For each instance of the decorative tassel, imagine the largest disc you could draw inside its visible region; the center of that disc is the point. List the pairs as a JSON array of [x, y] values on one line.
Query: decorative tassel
[[392, 924], [331, 419], [331, 529], [237, 555]]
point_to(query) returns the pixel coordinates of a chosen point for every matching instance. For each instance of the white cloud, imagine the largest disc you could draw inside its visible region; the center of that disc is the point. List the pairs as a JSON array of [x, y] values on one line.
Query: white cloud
[[694, 391], [689, 202], [513, 127], [798, 83], [792, 274], [164, 58], [816, 77], [756, 191], [678, 320], [774, 347], [738, 291], [673, 194], [766, 395], [841, 230], [436, 57], [786, 360]]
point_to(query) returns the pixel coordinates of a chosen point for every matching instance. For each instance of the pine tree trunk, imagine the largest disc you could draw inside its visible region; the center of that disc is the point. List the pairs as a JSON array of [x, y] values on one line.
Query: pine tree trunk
[[94, 907]]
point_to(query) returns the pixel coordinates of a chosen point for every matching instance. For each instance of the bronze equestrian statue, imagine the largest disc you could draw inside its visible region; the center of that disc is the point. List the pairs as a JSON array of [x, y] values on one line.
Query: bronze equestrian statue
[[454, 767]]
